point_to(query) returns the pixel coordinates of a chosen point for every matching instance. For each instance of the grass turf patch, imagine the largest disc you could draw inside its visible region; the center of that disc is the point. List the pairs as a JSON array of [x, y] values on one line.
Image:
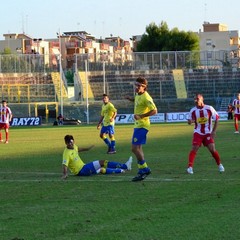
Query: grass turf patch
[[169, 204]]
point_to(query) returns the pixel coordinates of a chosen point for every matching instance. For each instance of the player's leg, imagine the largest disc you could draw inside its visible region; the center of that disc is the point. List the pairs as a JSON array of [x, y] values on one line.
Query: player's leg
[[196, 143], [139, 138], [110, 130], [103, 136], [7, 134], [90, 169], [215, 154], [236, 119], [1, 140], [116, 165]]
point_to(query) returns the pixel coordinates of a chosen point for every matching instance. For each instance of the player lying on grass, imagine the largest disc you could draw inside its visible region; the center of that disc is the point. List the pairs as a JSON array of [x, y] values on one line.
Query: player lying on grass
[[73, 162]]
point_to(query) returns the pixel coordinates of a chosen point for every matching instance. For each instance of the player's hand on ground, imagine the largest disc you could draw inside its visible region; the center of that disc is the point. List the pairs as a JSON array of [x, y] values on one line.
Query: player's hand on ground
[[64, 177]]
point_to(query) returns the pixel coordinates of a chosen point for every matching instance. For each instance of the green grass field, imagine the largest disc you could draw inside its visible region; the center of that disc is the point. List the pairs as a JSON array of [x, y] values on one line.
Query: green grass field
[[37, 204]]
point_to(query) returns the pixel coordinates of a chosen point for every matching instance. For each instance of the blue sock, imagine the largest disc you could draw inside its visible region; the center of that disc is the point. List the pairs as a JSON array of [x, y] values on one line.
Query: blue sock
[[116, 165], [143, 167], [107, 142], [113, 143], [111, 170]]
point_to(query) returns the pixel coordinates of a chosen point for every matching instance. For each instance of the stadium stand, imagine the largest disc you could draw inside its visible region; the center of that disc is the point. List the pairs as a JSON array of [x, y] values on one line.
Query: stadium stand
[[56, 81], [24, 88], [218, 88]]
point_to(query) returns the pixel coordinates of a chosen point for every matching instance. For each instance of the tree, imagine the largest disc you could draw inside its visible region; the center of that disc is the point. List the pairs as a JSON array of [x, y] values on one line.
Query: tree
[[7, 50], [160, 38]]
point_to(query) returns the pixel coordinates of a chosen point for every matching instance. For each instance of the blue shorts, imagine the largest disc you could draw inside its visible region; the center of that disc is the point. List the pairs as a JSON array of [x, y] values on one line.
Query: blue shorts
[[107, 129], [139, 136], [90, 169]]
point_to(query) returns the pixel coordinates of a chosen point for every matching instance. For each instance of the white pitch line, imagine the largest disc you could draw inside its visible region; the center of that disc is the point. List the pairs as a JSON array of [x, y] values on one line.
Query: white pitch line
[[38, 173], [101, 178]]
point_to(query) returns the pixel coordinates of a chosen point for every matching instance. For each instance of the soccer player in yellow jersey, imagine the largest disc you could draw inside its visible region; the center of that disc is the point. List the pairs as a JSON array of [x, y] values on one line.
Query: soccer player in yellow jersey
[[144, 107], [107, 120], [73, 162]]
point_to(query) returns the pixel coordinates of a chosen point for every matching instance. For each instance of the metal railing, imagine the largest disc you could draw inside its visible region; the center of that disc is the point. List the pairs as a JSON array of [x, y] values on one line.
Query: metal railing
[[159, 61], [25, 63]]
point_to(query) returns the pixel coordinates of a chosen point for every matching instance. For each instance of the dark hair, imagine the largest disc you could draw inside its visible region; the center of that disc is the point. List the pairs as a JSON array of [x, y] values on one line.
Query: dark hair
[[105, 95], [4, 101], [143, 81], [68, 138]]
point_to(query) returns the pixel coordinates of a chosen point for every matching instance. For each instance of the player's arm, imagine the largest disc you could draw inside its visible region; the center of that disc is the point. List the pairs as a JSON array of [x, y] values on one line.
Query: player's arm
[[99, 122], [147, 114], [82, 149], [190, 121], [113, 116], [213, 133], [65, 172], [10, 117], [129, 98]]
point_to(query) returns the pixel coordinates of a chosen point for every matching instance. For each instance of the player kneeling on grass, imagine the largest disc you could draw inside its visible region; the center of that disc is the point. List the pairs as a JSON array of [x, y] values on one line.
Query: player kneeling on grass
[[72, 160]]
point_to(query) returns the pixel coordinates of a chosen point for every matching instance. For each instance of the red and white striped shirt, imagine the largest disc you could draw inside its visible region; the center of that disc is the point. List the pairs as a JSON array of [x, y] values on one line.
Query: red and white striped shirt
[[5, 113], [202, 117], [236, 105]]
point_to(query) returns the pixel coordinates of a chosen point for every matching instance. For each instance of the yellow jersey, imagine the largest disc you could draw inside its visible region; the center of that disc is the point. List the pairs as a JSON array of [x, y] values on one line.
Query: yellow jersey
[[107, 112], [72, 160], [142, 104]]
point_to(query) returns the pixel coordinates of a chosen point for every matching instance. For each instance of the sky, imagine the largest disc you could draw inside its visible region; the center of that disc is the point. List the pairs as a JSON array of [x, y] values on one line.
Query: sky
[[103, 18]]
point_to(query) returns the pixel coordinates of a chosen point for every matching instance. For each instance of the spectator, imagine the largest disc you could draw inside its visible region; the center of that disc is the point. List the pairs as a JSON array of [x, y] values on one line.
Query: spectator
[[60, 119], [236, 105], [230, 110]]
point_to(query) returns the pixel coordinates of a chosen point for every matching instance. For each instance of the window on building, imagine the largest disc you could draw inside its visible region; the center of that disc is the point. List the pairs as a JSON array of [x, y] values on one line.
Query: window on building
[[209, 42]]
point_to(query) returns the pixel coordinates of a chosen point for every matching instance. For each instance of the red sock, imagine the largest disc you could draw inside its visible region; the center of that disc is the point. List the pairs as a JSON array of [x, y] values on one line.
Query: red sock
[[0, 136], [7, 134], [191, 158], [216, 157], [236, 126]]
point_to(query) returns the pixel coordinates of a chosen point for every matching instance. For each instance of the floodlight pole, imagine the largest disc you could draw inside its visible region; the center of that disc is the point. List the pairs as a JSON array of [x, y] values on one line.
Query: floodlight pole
[[60, 70], [104, 78], [86, 77]]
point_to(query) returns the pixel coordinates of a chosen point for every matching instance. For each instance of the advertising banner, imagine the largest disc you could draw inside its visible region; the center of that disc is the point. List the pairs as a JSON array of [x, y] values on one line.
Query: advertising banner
[[183, 116], [27, 121], [177, 117], [128, 118]]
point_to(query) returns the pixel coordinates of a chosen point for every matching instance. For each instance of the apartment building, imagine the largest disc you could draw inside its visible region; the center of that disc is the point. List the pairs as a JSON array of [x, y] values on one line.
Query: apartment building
[[110, 49], [217, 39]]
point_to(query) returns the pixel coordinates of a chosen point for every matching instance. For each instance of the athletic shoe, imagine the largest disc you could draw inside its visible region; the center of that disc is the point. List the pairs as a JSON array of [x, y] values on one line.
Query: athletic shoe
[[112, 151], [129, 163], [122, 171], [141, 175], [236, 132], [6, 142], [190, 170], [1, 140], [221, 168], [109, 149]]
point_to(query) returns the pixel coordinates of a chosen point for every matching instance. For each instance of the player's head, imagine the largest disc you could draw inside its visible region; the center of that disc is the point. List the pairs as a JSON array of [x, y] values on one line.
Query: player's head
[[141, 84], [238, 95], [69, 141], [198, 99], [105, 98], [4, 102]]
